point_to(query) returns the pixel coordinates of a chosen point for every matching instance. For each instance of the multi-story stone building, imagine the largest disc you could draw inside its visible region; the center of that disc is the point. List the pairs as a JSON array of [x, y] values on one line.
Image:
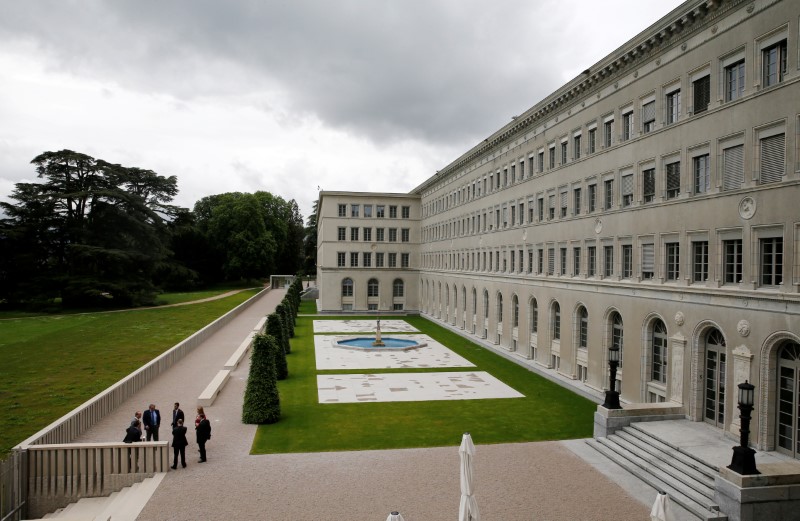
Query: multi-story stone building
[[652, 203]]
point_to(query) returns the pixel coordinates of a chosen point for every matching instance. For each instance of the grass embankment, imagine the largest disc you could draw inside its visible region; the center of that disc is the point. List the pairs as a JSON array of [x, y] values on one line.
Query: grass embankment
[[50, 365], [547, 412]]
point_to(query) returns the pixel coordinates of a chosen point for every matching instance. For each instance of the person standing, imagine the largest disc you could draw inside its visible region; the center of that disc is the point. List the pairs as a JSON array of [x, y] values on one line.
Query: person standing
[[177, 414], [133, 433], [200, 414], [179, 443], [203, 431], [152, 421]]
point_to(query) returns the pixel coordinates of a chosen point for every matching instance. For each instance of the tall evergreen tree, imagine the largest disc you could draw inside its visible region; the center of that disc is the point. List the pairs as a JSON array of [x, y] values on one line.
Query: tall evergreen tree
[[261, 398], [275, 329]]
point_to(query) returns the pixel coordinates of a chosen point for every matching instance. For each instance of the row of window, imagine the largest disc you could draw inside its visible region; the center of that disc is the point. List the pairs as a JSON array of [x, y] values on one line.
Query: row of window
[[650, 185], [618, 259], [380, 234], [382, 260], [380, 211], [771, 59], [373, 288]]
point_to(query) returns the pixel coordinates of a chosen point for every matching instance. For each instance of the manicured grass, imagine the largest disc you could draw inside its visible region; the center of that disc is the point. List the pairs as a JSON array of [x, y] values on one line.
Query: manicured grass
[[50, 365], [307, 307], [547, 412], [179, 298]]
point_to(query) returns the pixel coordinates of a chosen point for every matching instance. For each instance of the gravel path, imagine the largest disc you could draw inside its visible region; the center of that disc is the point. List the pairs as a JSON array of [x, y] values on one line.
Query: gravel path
[[522, 481]]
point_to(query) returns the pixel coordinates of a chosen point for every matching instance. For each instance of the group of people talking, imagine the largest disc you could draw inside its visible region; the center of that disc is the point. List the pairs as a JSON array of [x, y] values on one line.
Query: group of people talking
[[145, 427]]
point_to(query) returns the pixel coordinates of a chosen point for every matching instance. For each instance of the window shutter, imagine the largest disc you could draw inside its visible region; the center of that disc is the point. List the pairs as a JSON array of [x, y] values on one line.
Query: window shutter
[[733, 168], [627, 185], [552, 201], [563, 199], [649, 182], [648, 258], [702, 94], [649, 112], [673, 176], [772, 158]]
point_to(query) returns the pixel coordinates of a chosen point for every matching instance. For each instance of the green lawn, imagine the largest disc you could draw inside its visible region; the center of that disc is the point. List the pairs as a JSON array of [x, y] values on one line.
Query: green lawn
[[547, 412], [50, 365]]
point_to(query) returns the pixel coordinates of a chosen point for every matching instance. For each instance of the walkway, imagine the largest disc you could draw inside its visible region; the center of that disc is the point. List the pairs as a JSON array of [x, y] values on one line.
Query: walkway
[[523, 481]]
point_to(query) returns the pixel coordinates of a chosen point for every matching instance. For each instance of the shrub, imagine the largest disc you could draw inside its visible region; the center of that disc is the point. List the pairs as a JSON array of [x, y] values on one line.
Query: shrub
[[286, 316], [261, 399], [275, 329]]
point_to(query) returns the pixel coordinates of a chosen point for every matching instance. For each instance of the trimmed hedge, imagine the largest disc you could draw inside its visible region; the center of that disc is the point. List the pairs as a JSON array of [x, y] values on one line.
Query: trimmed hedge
[[276, 331], [262, 402]]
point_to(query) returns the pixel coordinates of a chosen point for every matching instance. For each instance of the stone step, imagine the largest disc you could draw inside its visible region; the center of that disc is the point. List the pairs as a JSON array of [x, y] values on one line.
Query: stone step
[[85, 508], [680, 471], [130, 505], [694, 503], [674, 452]]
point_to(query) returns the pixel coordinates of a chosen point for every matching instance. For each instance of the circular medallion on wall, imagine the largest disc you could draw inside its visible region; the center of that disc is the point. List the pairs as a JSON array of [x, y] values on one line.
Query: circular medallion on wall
[[598, 225], [743, 327], [679, 318], [747, 208]]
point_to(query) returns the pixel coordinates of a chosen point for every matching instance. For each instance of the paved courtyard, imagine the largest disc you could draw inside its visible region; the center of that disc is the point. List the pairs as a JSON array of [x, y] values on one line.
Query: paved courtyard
[[433, 354]]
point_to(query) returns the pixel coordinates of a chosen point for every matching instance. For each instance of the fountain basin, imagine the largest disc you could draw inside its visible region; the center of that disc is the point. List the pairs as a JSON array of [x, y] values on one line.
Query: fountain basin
[[367, 343]]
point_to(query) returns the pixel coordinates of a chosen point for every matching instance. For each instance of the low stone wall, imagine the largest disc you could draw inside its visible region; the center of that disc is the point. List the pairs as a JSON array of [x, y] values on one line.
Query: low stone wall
[[608, 421]]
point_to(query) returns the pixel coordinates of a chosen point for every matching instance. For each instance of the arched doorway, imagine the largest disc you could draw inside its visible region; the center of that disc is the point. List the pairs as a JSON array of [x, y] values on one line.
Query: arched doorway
[[714, 378], [788, 428]]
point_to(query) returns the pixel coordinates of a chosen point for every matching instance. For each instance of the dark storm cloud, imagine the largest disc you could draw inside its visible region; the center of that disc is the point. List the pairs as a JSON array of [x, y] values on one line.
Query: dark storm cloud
[[443, 72]]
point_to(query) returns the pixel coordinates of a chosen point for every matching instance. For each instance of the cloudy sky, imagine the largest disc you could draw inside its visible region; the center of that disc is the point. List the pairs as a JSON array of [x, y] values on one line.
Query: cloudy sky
[[287, 96]]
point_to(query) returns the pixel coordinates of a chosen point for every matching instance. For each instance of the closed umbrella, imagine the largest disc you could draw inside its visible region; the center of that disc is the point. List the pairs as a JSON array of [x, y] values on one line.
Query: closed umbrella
[[661, 510], [395, 516], [468, 510]]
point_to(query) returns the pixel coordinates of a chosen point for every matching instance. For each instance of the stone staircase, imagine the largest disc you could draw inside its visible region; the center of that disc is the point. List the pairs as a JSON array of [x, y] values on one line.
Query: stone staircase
[[125, 505], [688, 481]]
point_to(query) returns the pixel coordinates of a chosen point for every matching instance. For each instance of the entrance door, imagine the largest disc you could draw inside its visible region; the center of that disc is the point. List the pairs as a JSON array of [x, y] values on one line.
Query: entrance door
[[715, 378], [789, 399]]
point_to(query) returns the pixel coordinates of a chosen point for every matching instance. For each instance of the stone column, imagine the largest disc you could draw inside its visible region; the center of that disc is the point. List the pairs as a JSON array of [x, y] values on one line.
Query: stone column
[[742, 360], [677, 349]]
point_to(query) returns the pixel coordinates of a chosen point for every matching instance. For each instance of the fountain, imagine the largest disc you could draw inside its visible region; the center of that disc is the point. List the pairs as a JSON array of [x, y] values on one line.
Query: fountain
[[378, 342]]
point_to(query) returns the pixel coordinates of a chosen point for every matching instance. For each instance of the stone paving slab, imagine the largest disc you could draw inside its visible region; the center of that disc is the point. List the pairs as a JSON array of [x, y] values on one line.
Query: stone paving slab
[[411, 387], [362, 326], [433, 354]]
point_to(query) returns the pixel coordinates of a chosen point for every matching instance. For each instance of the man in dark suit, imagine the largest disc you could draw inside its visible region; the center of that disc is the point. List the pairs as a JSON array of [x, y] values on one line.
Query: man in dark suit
[[203, 431], [152, 421], [179, 443], [177, 414]]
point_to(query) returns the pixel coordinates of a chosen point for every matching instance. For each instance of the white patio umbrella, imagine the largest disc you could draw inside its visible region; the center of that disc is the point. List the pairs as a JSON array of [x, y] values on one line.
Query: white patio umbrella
[[468, 510], [661, 510], [395, 516]]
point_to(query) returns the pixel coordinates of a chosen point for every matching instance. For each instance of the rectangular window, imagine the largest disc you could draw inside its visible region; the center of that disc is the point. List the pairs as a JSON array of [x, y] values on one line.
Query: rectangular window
[[773, 64], [404, 259], [673, 106], [734, 81], [551, 207], [541, 209], [405, 212], [608, 133], [552, 163], [340, 259], [540, 262], [592, 198], [379, 234], [342, 210], [367, 210], [380, 211], [673, 180], [609, 194], [541, 161], [627, 190], [702, 178], [732, 262], [353, 259], [592, 140], [342, 233], [366, 259], [379, 260], [702, 94], [672, 266], [367, 234], [576, 261], [392, 260], [772, 159], [563, 205], [354, 210], [608, 261], [649, 117], [699, 261], [392, 234], [576, 147], [591, 261], [627, 126], [576, 201], [530, 261], [563, 264], [521, 213], [404, 235], [564, 153], [627, 261], [513, 261], [393, 212], [648, 185], [648, 261], [771, 251], [733, 168], [551, 261], [353, 234]]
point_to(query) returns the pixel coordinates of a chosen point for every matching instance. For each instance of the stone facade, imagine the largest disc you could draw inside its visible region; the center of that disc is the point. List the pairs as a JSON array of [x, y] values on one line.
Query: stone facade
[[651, 203]]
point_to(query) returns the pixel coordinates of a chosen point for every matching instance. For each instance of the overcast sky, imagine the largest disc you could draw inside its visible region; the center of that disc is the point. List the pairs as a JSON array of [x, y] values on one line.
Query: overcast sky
[[287, 96]]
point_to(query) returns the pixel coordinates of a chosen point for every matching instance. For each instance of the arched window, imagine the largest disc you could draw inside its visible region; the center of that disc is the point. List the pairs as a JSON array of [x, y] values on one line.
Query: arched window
[[398, 288], [583, 328], [347, 287], [372, 288], [534, 316], [474, 302], [556, 321], [485, 304], [658, 371], [788, 399], [515, 310], [499, 307], [616, 333]]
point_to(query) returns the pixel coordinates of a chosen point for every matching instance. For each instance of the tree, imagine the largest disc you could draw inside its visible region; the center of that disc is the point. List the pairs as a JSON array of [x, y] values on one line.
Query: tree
[[275, 329], [283, 310], [310, 243], [261, 398]]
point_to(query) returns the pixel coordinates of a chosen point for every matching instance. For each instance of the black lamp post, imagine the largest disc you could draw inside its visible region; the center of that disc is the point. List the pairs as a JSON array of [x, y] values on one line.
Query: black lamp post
[[612, 396], [744, 458]]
